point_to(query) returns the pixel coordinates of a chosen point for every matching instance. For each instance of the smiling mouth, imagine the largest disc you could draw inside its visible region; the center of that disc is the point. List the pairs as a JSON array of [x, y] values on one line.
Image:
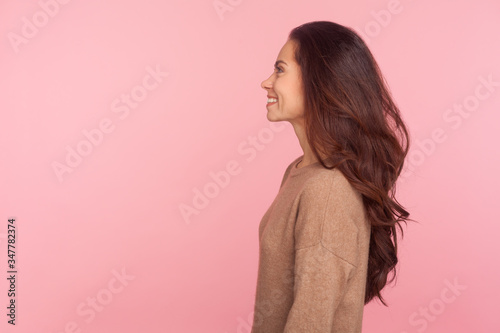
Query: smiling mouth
[[271, 101]]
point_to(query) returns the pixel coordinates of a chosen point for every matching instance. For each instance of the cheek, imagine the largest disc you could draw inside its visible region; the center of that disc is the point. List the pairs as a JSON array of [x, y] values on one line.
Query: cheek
[[297, 96], [298, 104], [294, 88]]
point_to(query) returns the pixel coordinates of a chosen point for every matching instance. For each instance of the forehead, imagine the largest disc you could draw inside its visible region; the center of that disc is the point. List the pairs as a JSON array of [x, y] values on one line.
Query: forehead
[[287, 52]]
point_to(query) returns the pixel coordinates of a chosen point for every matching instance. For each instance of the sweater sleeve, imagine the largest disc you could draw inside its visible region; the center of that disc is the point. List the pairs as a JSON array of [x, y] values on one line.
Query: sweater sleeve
[[325, 255]]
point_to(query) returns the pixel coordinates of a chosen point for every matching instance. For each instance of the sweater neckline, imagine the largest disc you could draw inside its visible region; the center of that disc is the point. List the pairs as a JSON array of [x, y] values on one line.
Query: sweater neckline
[[296, 171]]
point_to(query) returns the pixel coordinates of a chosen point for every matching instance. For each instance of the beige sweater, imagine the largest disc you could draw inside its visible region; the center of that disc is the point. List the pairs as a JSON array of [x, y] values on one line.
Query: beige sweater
[[313, 255]]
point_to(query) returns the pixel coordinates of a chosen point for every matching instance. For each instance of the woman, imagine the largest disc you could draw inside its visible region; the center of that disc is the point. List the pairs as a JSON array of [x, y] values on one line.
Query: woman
[[328, 241]]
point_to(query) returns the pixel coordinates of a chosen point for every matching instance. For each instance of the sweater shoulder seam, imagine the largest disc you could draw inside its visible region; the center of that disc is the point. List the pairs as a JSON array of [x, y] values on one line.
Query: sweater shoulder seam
[[330, 190], [330, 251]]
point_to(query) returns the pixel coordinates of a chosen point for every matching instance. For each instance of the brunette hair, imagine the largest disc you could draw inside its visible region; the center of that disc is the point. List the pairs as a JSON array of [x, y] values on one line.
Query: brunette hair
[[351, 119]]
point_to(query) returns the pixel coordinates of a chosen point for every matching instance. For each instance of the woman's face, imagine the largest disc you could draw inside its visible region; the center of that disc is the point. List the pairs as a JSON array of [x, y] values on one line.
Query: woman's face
[[285, 85]]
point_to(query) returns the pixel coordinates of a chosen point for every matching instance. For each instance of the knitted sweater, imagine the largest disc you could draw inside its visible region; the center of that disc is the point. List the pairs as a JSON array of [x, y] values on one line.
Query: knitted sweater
[[313, 255]]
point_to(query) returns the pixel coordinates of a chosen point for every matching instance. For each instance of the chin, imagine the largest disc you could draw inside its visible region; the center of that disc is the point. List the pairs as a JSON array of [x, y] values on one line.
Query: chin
[[272, 117]]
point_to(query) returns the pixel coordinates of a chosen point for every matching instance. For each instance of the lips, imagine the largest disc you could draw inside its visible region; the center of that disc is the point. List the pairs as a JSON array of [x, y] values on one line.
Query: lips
[[271, 100]]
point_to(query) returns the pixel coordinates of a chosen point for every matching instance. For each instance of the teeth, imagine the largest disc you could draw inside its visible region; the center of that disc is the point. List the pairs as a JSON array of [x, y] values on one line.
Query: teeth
[[270, 100]]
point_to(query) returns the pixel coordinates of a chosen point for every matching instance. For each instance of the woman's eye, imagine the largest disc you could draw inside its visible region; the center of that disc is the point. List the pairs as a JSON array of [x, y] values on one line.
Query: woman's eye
[[279, 69]]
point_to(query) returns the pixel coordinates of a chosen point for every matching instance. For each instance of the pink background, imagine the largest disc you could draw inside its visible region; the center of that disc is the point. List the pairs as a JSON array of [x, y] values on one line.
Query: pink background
[[119, 207]]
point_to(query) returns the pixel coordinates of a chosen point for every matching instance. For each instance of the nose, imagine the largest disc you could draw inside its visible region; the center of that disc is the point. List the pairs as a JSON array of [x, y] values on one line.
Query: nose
[[267, 83]]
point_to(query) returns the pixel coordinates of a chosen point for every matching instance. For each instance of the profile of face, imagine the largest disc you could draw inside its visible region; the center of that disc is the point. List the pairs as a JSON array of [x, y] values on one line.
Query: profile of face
[[285, 87]]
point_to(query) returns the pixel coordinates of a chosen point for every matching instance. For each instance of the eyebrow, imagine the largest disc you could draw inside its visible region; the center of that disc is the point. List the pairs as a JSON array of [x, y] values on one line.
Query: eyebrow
[[278, 62]]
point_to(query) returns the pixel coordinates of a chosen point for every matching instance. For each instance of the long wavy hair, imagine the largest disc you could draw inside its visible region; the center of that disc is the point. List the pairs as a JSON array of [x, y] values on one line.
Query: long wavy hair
[[351, 119]]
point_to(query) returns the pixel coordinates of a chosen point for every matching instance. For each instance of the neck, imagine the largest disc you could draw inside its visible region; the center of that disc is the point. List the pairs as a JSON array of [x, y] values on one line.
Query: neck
[[309, 156]]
